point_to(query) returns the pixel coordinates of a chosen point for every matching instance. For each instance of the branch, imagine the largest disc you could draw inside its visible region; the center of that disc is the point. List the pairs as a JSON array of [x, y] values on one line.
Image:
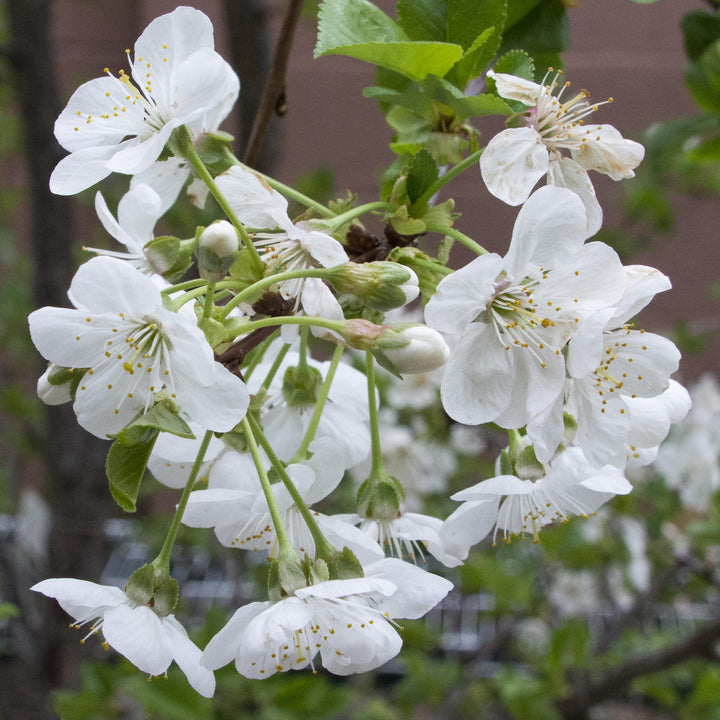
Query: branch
[[273, 99], [700, 644]]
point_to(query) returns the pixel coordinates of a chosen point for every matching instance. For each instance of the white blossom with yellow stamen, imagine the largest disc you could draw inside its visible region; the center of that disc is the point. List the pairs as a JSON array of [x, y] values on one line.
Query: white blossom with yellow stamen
[[510, 318], [132, 350], [148, 640], [516, 158], [121, 124], [349, 622]]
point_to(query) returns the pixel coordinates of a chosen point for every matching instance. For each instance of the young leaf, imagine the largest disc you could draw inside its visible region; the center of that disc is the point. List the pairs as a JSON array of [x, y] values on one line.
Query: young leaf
[[125, 467], [422, 174], [159, 417]]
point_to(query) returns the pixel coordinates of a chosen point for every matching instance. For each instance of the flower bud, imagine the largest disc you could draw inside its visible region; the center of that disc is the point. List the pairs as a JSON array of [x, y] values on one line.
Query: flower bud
[[365, 335], [217, 245], [380, 285], [54, 386], [220, 237], [425, 351]]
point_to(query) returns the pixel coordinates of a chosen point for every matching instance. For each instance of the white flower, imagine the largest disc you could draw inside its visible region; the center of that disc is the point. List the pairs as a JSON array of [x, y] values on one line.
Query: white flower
[[138, 212], [134, 349], [350, 622], [609, 368], [294, 247], [147, 640], [570, 486], [517, 158], [121, 124], [235, 505], [344, 418], [514, 315], [689, 459]]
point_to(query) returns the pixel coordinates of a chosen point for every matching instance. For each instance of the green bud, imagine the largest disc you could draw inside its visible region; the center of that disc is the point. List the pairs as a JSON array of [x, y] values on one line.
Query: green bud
[[166, 597], [381, 285], [380, 498], [218, 246], [169, 256], [140, 586], [301, 385]]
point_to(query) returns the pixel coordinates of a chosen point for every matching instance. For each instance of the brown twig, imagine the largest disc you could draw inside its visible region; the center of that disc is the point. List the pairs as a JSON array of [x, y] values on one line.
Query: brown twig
[[273, 98], [586, 694]]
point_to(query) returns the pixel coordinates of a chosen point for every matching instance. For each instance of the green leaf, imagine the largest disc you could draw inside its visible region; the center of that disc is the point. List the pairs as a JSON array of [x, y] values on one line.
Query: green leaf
[[477, 57], [415, 60], [700, 30], [423, 172], [465, 106], [161, 417], [359, 29], [125, 467], [703, 79], [469, 19], [544, 33], [422, 19], [413, 98], [517, 10], [707, 152], [516, 62]]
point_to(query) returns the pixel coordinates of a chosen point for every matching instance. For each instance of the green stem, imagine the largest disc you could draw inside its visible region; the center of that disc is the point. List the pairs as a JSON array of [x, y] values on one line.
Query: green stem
[[340, 220], [249, 292], [258, 356], [162, 561], [187, 285], [459, 236], [301, 453], [377, 461], [285, 547], [442, 181], [322, 547], [337, 325], [190, 154], [209, 300]]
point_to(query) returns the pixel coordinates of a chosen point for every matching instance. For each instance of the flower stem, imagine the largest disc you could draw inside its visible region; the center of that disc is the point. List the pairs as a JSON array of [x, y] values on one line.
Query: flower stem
[[459, 236], [322, 547], [301, 453], [162, 562], [346, 217], [442, 181], [189, 153], [284, 546], [377, 461]]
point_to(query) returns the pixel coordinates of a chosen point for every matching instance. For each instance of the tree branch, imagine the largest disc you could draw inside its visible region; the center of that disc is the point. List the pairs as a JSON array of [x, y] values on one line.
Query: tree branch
[[586, 694], [273, 99]]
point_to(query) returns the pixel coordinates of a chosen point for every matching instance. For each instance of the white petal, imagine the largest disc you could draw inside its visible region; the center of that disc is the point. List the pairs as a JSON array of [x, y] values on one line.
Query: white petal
[[137, 634], [565, 172], [608, 152], [187, 655], [512, 163]]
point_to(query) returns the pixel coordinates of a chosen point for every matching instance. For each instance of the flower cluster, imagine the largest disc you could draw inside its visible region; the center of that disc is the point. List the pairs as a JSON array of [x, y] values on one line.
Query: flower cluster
[[213, 382]]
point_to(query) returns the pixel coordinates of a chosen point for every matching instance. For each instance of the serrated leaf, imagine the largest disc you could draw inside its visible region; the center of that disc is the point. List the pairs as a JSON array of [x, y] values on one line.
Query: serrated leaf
[[468, 19], [465, 106], [516, 62], [423, 172], [159, 417], [125, 467], [359, 29], [544, 33], [422, 19], [477, 57], [351, 22], [415, 60]]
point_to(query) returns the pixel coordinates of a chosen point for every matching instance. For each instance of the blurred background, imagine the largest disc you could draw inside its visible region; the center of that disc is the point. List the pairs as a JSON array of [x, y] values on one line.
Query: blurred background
[[533, 632]]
